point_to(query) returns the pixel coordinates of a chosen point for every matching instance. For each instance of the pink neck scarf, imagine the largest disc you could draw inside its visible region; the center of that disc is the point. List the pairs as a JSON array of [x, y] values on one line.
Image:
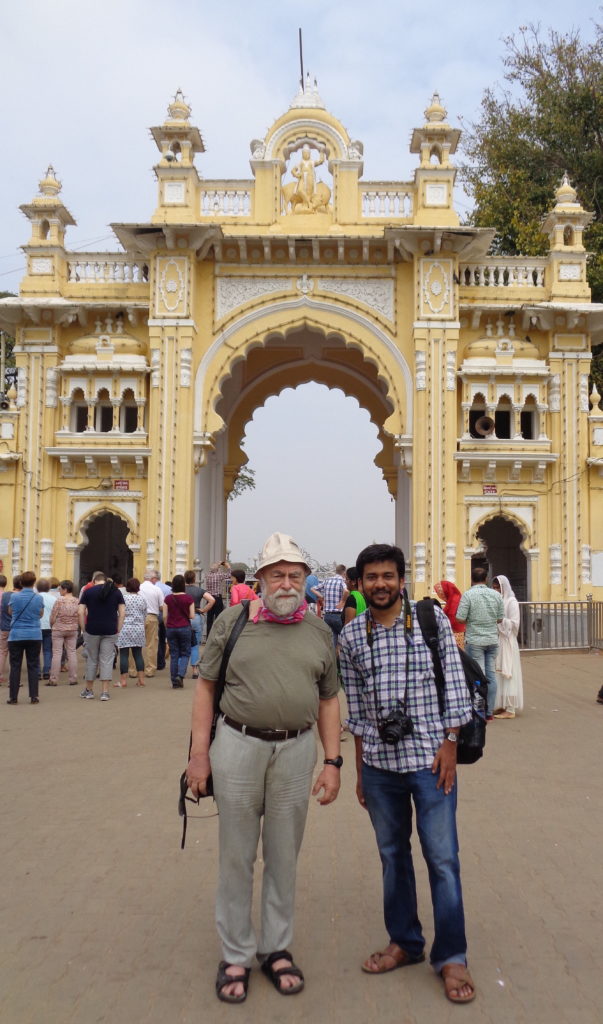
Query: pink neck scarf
[[285, 620]]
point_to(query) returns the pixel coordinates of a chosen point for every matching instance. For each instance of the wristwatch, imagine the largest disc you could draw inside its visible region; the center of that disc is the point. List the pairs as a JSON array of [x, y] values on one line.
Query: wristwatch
[[451, 736], [335, 761]]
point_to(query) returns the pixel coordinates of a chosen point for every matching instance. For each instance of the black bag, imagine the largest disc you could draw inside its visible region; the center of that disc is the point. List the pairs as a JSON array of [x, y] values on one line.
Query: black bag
[[472, 736], [233, 636]]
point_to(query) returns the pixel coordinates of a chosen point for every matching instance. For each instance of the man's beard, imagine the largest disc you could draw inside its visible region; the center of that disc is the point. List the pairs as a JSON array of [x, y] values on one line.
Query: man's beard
[[383, 605], [283, 602]]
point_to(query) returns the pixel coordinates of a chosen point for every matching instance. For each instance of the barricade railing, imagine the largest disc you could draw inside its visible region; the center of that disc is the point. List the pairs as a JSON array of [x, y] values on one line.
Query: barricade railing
[[560, 625]]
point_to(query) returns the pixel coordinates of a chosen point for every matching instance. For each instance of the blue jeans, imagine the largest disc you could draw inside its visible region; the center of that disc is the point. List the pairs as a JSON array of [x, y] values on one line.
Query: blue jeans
[[46, 651], [486, 658], [388, 798], [335, 623], [179, 640]]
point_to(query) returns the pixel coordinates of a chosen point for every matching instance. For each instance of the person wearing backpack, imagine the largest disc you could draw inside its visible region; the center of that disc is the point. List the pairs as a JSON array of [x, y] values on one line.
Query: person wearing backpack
[[406, 754]]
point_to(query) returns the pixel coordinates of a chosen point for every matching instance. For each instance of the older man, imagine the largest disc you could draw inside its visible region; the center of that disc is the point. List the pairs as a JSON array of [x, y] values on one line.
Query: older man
[[154, 598], [281, 679]]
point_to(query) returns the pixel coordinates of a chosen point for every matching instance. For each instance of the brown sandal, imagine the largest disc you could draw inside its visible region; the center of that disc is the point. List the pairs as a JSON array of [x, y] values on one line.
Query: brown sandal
[[455, 978], [398, 956]]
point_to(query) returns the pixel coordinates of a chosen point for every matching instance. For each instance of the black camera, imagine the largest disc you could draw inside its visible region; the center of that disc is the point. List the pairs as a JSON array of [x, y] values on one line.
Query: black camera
[[395, 727]]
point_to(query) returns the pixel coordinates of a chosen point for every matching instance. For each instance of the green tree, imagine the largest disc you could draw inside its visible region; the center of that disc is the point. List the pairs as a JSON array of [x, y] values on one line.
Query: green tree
[[547, 120], [244, 481]]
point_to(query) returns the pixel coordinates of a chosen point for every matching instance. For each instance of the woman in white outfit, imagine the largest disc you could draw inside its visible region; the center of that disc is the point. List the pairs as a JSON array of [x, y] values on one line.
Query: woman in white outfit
[[508, 663]]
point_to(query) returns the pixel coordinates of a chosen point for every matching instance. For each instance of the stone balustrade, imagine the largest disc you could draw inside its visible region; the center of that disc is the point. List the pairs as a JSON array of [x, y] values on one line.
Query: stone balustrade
[[381, 199], [226, 199], [105, 268], [505, 272]]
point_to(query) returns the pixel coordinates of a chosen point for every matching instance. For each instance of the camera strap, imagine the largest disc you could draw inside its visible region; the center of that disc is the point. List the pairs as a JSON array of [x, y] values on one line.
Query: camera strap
[[370, 623]]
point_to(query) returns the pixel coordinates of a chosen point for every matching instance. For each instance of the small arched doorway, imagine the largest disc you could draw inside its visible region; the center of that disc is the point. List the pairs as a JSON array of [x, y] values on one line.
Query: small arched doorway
[[106, 548], [502, 553]]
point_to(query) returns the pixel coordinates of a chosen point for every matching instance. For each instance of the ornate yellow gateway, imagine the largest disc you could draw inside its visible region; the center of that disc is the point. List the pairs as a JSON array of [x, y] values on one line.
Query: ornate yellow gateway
[[138, 371]]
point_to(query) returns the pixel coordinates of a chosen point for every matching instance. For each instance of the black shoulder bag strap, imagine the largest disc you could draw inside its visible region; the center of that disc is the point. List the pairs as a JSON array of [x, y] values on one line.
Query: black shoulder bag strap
[[233, 636], [20, 613], [429, 628]]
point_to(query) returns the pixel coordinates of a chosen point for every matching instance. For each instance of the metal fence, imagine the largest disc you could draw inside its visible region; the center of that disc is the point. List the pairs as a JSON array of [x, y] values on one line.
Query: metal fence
[[560, 625]]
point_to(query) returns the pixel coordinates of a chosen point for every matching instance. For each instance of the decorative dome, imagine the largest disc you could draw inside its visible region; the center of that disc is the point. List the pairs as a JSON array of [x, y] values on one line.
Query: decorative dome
[[501, 343], [50, 185], [179, 109], [435, 111], [565, 193], [307, 96]]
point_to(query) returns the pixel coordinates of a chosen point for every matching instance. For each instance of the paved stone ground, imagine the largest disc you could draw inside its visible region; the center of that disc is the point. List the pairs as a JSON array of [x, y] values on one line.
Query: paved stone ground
[[105, 919]]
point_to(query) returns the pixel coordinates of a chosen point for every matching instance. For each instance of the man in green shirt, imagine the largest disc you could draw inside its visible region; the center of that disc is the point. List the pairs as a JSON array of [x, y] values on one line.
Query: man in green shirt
[[482, 609]]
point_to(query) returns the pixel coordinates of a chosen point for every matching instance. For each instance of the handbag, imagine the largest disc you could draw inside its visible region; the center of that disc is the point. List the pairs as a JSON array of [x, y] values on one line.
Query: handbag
[[233, 636]]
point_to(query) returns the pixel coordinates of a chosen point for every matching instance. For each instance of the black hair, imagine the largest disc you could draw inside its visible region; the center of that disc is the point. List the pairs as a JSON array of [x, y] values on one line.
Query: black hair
[[479, 574], [239, 575], [178, 584], [380, 553], [352, 573]]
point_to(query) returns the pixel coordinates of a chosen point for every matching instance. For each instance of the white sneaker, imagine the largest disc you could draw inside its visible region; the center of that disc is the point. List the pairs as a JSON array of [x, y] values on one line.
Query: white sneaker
[[105, 696], [87, 694]]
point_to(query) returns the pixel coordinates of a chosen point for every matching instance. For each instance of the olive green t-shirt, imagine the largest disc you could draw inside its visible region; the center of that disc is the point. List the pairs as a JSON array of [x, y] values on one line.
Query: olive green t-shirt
[[276, 674]]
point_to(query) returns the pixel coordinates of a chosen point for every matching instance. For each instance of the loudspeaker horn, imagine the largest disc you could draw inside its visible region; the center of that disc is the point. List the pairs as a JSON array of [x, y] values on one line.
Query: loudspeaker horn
[[484, 426]]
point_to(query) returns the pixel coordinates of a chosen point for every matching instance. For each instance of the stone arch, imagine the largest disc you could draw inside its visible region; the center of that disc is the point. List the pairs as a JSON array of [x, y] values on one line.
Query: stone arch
[[525, 529], [252, 329], [502, 543]]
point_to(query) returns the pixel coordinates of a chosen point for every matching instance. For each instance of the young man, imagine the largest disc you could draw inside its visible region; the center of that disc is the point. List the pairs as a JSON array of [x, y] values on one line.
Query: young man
[[405, 751], [482, 609]]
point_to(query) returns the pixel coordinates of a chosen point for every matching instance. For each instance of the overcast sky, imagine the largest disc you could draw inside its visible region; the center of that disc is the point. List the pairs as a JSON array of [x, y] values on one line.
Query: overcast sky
[[83, 82]]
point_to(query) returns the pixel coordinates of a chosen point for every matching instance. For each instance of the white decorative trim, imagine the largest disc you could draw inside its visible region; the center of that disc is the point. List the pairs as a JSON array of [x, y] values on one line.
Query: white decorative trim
[[17, 568], [436, 194], [451, 372], [181, 556], [186, 360], [450, 564], [420, 371], [232, 292], [555, 563], [570, 272], [304, 284], [21, 387], [376, 292], [155, 367], [420, 555], [555, 393], [150, 555], [46, 556], [584, 402], [585, 564], [52, 378], [174, 192], [40, 265]]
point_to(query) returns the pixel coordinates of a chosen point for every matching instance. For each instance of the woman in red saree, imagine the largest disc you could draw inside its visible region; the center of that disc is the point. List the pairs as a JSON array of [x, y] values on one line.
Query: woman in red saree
[[450, 595]]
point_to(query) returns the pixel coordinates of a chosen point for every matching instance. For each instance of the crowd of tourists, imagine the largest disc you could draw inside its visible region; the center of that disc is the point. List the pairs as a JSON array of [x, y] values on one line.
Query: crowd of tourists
[[132, 628]]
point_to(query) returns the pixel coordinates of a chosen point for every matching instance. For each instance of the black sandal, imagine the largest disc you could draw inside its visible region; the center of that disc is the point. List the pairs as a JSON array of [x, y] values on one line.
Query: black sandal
[[276, 975], [223, 979]]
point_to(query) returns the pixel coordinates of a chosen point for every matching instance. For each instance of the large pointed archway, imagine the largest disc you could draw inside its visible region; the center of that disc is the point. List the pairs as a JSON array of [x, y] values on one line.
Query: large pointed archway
[[286, 358], [106, 548]]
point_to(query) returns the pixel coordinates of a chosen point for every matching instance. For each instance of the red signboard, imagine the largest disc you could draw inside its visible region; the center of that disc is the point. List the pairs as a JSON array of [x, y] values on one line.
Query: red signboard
[[121, 485], [489, 489]]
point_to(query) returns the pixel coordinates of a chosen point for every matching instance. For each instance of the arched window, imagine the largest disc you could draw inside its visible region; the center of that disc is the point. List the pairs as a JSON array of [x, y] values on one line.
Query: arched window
[[44, 229], [502, 417], [435, 155], [104, 412], [477, 410], [128, 413], [568, 235], [79, 412], [529, 418]]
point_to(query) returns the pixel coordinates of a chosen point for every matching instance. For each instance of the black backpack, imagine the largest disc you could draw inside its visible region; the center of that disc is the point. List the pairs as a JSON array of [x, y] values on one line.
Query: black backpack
[[472, 737]]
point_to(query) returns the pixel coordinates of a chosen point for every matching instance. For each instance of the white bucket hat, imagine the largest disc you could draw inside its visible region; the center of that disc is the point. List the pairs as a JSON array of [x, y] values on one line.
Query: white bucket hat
[[280, 547]]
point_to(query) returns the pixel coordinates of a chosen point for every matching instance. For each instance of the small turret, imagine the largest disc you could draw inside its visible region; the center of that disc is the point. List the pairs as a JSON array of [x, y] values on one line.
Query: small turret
[[565, 226], [45, 251], [177, 141], [436, 141]]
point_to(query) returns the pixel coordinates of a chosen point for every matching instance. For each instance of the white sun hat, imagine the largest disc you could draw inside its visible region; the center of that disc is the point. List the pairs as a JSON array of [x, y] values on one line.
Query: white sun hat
[[280, 547]]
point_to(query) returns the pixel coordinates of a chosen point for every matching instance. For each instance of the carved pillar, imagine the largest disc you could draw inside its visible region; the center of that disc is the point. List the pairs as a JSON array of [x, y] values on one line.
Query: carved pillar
[[515, 431], [90, 425], [116, 404], [140, 407]]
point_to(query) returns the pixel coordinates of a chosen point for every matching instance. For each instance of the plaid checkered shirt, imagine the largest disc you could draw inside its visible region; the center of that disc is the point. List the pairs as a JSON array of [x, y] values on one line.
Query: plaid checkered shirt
[[332, 591], [403, 672]]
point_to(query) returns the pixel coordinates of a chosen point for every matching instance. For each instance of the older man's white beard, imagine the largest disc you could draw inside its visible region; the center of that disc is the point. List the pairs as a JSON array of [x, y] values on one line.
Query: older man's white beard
[[282, 602]]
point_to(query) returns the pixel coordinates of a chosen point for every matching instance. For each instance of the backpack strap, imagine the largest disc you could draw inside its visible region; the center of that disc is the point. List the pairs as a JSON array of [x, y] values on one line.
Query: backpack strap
[[233, 636], [429, 628]]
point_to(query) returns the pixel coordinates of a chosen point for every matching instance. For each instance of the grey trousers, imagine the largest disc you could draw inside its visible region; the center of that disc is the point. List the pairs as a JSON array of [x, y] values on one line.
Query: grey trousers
[[255, 779], [99, 649]]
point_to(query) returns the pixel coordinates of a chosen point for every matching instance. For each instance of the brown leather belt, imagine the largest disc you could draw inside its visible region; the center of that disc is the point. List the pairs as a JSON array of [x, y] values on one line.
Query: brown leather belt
[[270, 735]]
